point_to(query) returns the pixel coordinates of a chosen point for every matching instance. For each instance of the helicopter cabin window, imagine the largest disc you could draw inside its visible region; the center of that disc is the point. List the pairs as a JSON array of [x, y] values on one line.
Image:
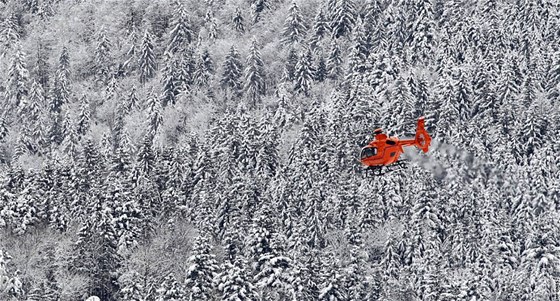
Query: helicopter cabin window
[[368, 152]]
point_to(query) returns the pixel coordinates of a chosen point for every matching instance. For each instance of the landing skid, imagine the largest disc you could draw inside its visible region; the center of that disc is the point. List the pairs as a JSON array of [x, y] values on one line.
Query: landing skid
[[385, 169]]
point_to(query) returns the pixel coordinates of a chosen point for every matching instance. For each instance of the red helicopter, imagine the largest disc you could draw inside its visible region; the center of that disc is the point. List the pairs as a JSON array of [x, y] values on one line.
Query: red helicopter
[[383, 153]]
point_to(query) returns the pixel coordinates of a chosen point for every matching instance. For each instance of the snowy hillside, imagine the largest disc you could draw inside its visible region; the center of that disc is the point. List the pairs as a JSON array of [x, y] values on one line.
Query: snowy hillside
[[208, 150]]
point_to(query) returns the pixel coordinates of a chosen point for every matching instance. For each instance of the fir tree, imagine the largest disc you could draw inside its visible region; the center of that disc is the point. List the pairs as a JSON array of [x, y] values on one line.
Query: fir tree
[[84, 117], [334, 61], [170, 290], [60, 93], [43, 68], [18, 76], [202, 268], [181, 33], [131, 287], [320, 69], [233, 70], [254, 75], [304, 73], [342, 17], [321, 26], [102, 58], [204, 69], [257, 6], [32, 127], [70, 142], [238, 21], [169, 81], [64, 63], [234, 285], [106, 259], [56, 130], [147, 62], [154, 113], [294, 28], [10, 33], [146, 155], [213, 31]]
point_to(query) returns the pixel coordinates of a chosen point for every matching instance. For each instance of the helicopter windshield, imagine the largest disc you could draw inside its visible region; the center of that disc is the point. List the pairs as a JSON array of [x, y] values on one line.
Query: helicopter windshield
[[368, 152]]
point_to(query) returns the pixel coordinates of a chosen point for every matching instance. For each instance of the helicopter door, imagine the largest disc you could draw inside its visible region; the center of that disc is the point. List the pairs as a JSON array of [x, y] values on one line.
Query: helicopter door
[[368, 152]]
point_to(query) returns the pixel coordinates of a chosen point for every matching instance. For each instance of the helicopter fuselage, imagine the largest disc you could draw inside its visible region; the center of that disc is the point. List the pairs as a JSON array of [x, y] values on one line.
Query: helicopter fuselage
[[383, 151]]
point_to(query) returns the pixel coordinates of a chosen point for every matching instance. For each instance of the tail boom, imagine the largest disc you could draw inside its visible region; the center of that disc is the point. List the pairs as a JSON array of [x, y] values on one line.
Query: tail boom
[[421, 140]]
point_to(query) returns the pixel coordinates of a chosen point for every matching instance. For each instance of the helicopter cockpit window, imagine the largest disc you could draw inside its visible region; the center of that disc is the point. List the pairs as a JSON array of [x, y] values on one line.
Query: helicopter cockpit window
[[368, 152]]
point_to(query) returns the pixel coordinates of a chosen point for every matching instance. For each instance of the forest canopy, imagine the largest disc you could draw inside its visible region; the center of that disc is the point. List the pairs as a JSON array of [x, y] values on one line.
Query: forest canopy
[[208, 150]]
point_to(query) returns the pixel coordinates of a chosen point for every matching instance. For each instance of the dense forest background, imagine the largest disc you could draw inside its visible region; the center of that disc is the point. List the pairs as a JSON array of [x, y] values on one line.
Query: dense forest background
[[207, 150]]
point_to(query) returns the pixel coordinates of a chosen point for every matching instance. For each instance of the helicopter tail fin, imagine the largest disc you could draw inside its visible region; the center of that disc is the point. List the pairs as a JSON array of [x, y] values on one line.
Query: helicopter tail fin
[[422, 137]]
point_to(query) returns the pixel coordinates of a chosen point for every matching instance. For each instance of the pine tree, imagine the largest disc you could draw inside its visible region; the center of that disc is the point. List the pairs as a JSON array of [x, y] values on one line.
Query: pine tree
[[106, 260], [64, 63], [43, 68], [204, 69], [10, 33], [321, 72], [181, 33], [552, 79], [290, 67], [233, 70], [23, 209], [187, 67], [359, 51], [70, 143], [147, 62], [254, 75], [56, 130], [146, 155], [170, 290], [154, 113], [238, 21], [334, 61], [321, 27], [234, 285], [202, 268], [294, 27], [32, 117], [214, 30], [127, 217], [275, 274], [51, 290], [169, 81], [422, 30], [342, 18], [60, 93], [131, 287], [103, 59], [257, 6], [332, 288], [11, 286], [83, 123], [18, 76], [304, 74]]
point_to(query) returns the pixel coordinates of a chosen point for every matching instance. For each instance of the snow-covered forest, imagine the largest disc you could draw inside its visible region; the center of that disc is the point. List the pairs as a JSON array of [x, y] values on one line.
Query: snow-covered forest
[[208, 150]]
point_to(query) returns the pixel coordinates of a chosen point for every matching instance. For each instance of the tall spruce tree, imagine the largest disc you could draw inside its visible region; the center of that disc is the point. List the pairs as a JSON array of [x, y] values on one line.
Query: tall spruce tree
[[181, 33], [17, 82], [254, 86], [304, 73], [294, 27], [232, 72], [147, 58]]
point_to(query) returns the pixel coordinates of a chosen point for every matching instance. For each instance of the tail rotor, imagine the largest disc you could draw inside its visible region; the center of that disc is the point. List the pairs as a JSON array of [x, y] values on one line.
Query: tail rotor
[[422, 137]]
